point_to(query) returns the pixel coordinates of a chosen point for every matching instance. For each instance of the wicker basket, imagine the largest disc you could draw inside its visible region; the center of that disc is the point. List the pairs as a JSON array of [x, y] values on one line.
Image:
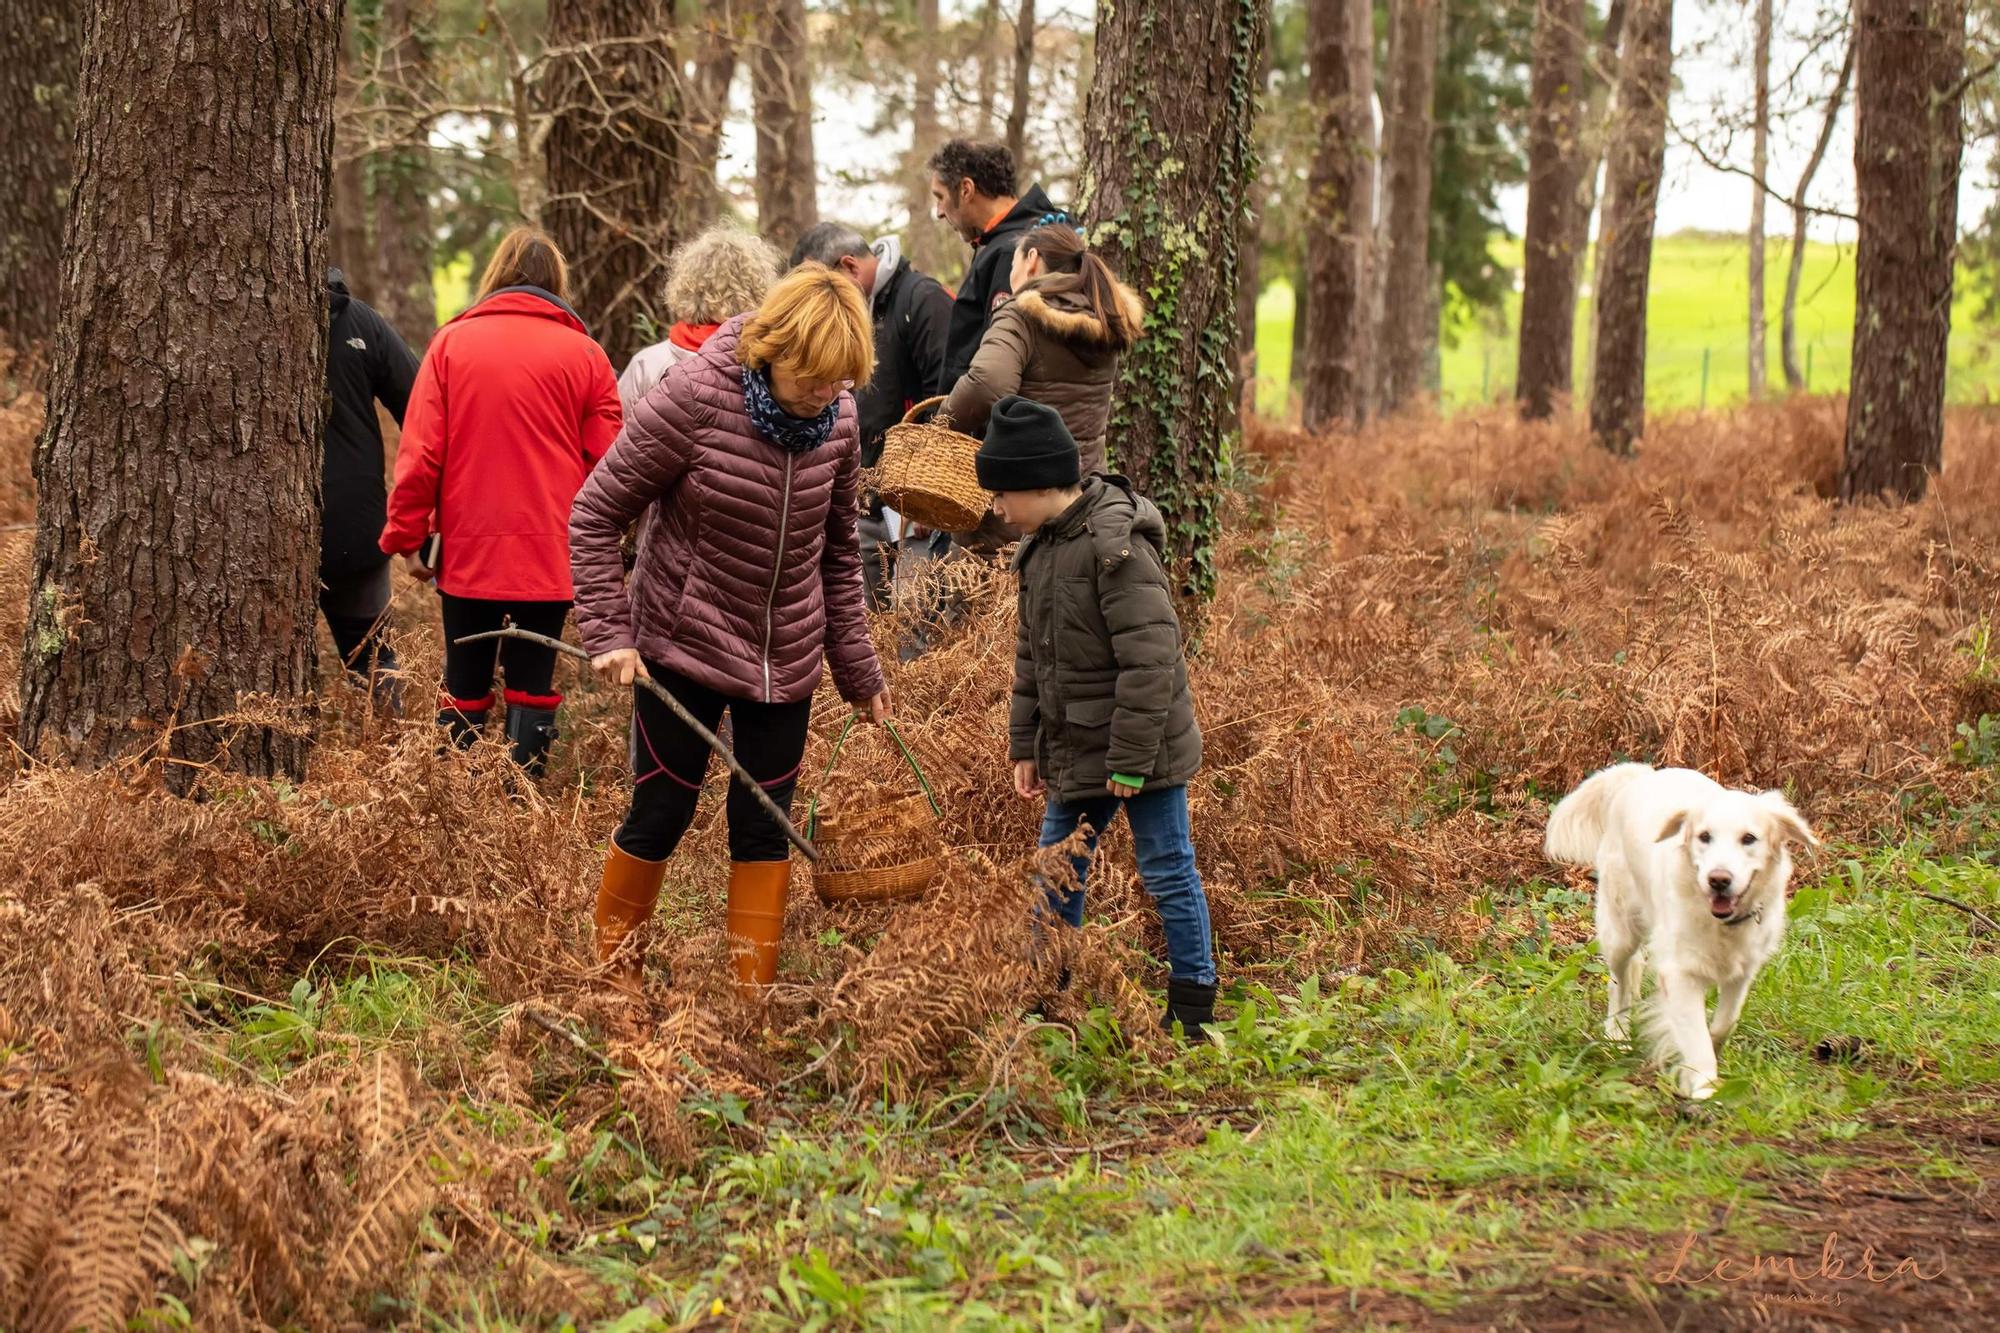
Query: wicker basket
[[876, 853], [927, 473]]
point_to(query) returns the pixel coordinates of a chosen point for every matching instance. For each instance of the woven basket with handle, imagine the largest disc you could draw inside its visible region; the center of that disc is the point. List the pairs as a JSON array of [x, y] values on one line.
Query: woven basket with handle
[[927, 472], [876, 852]]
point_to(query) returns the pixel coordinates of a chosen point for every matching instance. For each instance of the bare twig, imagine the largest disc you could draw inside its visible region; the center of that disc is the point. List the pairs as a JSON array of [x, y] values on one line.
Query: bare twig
[[1966, 908], [680, 711]]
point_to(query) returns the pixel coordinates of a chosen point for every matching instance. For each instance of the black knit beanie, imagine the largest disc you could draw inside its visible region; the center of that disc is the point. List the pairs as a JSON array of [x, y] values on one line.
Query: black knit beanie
[[1027, 448]]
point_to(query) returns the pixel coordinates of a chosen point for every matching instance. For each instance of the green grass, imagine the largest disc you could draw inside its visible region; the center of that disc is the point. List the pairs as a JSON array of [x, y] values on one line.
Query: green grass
[[1437, 1129], [1698, 307]]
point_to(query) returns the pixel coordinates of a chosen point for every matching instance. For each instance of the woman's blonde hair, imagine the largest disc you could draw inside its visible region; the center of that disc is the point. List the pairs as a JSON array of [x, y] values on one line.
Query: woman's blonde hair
[[719, 275], [814, 324], [526, 257]]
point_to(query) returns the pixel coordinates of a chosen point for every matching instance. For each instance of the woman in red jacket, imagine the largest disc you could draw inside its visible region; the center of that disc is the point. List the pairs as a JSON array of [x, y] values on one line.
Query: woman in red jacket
[[513, 406], [748, 580]]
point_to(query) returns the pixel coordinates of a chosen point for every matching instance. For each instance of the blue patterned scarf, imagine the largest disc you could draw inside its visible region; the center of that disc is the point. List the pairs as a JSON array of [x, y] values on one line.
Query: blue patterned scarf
[[793, 434]]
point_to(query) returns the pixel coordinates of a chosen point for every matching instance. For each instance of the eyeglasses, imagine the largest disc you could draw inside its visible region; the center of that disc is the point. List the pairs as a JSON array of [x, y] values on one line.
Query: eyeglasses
[[825, 386]]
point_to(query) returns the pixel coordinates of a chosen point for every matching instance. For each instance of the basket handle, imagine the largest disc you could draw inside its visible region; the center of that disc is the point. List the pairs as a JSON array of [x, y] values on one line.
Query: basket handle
[[812, 808], [942, 418]]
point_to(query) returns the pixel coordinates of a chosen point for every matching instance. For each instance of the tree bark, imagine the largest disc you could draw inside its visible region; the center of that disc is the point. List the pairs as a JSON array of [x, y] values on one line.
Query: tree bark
[[715, 72], [1637, 155], [1407, 268], [1176, 84], [1788, 337], [349, 245], [928, 245], [1908, 140], [1760, 161], [1340, 189], [1250, 261], [403, 236], [37, 105], [614, 157], [1555, 233], [177, 542], [1601, 76], [1024, 69], [781, 97]]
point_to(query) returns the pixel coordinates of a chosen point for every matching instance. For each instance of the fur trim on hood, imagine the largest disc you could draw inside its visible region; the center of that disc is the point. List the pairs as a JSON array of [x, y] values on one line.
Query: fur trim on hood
[[1056, 303]]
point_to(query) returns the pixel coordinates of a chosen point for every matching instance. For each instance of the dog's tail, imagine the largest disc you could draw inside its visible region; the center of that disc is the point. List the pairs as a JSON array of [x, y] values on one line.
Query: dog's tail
[[1576, 825]]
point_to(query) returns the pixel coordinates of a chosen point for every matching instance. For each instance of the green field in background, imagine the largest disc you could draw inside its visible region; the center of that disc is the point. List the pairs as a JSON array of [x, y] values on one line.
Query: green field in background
[[1699, 303]]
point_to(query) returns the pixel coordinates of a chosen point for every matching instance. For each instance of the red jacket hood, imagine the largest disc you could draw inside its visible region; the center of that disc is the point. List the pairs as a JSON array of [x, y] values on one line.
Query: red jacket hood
[[525, 301]]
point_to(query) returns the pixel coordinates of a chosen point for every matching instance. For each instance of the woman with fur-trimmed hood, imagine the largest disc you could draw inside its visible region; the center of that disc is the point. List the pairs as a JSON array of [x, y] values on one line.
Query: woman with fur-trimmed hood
[[1058, 341]]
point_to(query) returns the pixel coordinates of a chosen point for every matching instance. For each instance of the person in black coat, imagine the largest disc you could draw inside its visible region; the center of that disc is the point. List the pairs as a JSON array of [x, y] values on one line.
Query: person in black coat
[[972, 189], [911, 312], [366, 363]]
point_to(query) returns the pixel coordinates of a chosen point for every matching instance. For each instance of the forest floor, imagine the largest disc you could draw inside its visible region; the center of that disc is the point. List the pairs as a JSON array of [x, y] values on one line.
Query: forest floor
[[330, 1054]]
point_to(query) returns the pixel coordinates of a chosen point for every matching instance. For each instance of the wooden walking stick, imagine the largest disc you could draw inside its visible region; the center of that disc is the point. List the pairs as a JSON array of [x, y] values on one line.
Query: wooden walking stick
[[680, 711]]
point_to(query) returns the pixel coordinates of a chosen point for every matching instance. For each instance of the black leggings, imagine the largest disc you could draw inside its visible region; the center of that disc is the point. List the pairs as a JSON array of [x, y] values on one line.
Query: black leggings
[[670, 762], [530, 668]]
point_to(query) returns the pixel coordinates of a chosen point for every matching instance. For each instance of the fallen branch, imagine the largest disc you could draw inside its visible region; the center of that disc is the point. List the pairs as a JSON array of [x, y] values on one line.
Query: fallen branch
[[680, 711], [1966, 908]]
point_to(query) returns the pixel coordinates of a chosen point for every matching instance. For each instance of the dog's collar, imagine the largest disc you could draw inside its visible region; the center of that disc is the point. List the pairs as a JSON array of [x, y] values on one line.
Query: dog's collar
[[1739, 920]]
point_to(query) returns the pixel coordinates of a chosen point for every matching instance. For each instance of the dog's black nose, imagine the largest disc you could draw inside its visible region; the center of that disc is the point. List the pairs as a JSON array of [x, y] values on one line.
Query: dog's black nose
[[1719, 880]]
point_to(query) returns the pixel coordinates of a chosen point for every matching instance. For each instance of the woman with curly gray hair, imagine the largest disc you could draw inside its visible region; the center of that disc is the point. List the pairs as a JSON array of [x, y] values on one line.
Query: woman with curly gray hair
[[718, 275]]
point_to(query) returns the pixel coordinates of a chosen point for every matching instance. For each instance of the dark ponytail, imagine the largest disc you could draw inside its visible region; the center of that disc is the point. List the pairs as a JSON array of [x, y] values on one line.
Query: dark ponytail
[[1062, 249]]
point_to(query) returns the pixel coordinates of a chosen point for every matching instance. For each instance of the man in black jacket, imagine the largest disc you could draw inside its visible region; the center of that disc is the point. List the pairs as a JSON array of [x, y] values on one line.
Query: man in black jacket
[[911, 312], [366, 363], [972, 188]]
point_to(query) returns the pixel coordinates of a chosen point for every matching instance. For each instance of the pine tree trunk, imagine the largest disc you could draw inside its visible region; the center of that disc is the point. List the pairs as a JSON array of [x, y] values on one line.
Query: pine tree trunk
[[1788, 338], [403, 237], [1760, 161], [177, 542], [1024, 70], [781, 98], [1637, 153], [37, 103], [1340, 190], [927, 245], [349, 246], [1555, 232], [721, 38], [1176, 83], [1250, 263], [1908, 140], [1601, 77], [614, 159], [1413, 62]]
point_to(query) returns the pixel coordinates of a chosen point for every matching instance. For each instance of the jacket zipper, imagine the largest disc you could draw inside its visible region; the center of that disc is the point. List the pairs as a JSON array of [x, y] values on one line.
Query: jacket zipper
[[777, 570]]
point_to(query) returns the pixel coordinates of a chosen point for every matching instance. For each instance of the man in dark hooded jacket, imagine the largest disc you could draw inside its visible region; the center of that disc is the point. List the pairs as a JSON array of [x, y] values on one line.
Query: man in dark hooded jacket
[[972, 189], [366, 363]]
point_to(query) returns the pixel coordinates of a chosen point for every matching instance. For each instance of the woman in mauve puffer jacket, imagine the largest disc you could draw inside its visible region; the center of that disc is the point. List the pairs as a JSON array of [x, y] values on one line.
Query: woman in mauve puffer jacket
[[748, 580]]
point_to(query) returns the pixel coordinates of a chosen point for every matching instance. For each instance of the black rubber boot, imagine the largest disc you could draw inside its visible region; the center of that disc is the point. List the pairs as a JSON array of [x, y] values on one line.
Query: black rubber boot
[[462, 729], [533, 731], [1192, 1005]]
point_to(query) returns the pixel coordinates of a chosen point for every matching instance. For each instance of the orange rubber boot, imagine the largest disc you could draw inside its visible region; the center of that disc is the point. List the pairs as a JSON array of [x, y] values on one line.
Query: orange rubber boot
[[625, 898], [756, 920]]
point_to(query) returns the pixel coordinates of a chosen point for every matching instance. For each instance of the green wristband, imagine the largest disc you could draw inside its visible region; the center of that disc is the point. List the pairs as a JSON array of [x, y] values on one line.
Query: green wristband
[[1124, 781]]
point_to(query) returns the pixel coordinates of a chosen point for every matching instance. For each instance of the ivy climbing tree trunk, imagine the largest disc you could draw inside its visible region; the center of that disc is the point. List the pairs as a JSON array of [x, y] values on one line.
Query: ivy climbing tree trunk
[[1908, 141], [781, 103], [1340, 190], [1760, 162], [37, 93], [1413, 46], [177, 540], [403, 240], [1625, 238], [614, 158], [1169, 147], [1555, 232]]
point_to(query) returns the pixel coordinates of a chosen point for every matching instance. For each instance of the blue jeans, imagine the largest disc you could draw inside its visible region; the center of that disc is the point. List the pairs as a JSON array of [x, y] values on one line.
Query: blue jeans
[[1165, 847]]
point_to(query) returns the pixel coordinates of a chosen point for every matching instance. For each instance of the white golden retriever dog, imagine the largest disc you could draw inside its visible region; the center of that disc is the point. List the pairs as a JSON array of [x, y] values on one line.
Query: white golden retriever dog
[[1693, 873]]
